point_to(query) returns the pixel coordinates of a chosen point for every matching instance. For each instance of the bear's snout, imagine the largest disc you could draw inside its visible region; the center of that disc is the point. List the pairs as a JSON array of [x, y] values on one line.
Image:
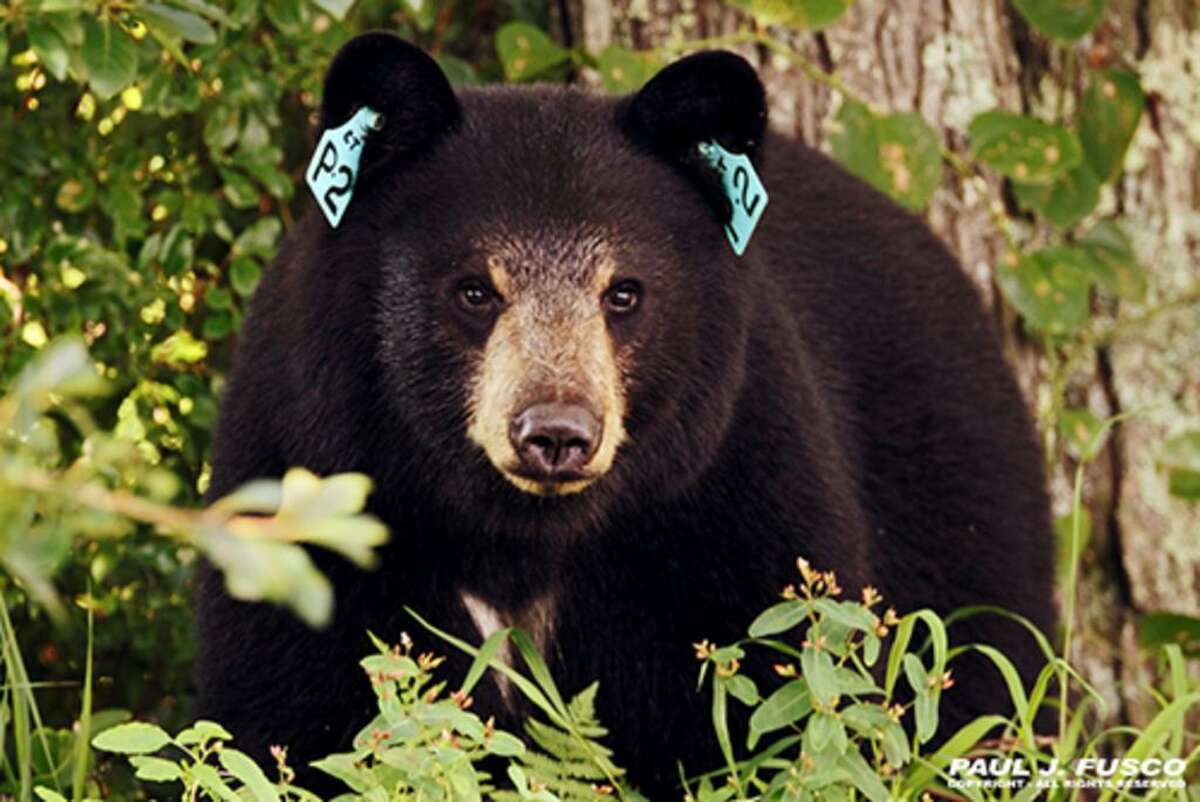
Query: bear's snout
[[554, 441]]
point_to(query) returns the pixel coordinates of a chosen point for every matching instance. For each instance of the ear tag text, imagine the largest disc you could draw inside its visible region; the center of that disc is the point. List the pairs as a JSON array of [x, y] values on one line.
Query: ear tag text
[[745, 191], [333, 168]]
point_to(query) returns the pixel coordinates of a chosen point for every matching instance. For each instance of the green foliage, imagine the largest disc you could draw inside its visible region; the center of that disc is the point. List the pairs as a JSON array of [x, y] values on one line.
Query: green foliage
[[1108, 118], [1156, 630], [802, 14], [896, 153], [1065, 20], [527, 52], [1050, 288], [571, 767], [1023, 148], [1181, 457]]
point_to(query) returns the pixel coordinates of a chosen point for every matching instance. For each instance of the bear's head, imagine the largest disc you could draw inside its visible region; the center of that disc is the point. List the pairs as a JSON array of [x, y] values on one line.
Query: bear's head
[[560, 322]]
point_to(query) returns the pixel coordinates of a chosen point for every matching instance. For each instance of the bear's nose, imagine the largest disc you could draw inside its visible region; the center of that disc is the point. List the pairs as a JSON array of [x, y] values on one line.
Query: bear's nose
[[554, 441]]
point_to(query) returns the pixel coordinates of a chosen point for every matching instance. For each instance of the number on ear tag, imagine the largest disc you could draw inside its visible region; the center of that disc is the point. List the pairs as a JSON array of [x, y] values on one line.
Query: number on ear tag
[[334, 165], [745, 191]]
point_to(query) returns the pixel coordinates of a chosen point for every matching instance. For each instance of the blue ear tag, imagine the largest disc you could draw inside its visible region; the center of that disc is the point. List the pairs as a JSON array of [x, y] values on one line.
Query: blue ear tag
[[744, 190], [334, 165]]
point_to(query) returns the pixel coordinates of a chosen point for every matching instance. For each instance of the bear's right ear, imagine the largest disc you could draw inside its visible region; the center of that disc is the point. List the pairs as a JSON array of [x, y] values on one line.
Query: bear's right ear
[[709, 96], [712, 96], [400, 81]]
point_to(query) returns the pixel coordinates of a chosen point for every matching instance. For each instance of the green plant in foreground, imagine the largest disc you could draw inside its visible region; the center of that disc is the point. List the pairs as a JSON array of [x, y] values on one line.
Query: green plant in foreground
[[424, 744], [836, 725], [833, 730]]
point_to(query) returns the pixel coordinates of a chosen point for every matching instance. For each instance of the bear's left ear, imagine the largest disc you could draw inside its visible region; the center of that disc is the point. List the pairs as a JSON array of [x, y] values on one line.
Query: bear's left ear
[[400, 81], [714, 95]]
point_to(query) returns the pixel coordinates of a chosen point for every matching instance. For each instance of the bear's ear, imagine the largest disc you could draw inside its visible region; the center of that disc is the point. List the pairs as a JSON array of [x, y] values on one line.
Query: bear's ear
[[714, 95], [400, 81]]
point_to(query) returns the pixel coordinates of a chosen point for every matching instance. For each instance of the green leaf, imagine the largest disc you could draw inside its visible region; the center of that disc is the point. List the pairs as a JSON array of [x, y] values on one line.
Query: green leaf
[[1181, 459], [803, 14], [915, 673], [1084, 433], [1065, 202], [155, 769], [1156, 630], [259, 238], [47, 795], [1108, 117], [109, 57], [899, 154], [505, 745], [203, 731], [210, 780], [218, 298], [538, 669], [867, 720], [864, 777], [1115, 268], [486, 652], [181, 348], [239, 190], [265, 570], [525, 51], [1050, 288], [851, 615], [1065, 20], [779, 618], [335, 8], [50, 47], [961, 743], [1023, 148], [621, 70], [824, 731], [244, 275], [786, 705], [250, 775], [819, 673], [344, 767], [1154, 734], [743, 689], [134, 738], [177, 23], [457, 71], [895, 745]]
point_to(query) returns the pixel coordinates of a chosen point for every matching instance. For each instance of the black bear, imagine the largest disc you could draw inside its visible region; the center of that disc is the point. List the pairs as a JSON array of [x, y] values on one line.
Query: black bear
[[586, 416]]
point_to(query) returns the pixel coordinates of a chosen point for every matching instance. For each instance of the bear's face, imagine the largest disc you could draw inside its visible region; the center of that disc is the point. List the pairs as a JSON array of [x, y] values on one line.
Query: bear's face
[[558, 318]]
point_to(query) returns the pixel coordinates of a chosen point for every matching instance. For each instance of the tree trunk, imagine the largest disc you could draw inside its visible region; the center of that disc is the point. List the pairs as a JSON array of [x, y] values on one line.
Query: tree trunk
[[950, 61]]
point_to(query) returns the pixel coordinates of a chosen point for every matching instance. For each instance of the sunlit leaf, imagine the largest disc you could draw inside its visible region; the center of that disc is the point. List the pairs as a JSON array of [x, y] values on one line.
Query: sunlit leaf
[[526, 51], [1181, 459], [1065, 20], [1023, 148], [1114, 266], [134, 738], [803, 14], [177, 23], [109, 56], [1159, 629], [1108, 117], [899, 154], [1050, 288], [1066, 201]]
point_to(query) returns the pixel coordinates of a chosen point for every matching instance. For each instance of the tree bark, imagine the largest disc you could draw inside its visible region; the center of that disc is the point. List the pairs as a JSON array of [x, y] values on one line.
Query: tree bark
[[950, 61]]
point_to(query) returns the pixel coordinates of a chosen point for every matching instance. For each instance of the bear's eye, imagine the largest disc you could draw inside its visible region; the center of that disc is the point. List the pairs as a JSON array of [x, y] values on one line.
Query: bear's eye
[[623, 297], [474, 295]]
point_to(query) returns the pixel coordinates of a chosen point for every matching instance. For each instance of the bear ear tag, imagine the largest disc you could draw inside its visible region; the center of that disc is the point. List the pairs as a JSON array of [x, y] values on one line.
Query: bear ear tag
[[747, 196], [333, 168]]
